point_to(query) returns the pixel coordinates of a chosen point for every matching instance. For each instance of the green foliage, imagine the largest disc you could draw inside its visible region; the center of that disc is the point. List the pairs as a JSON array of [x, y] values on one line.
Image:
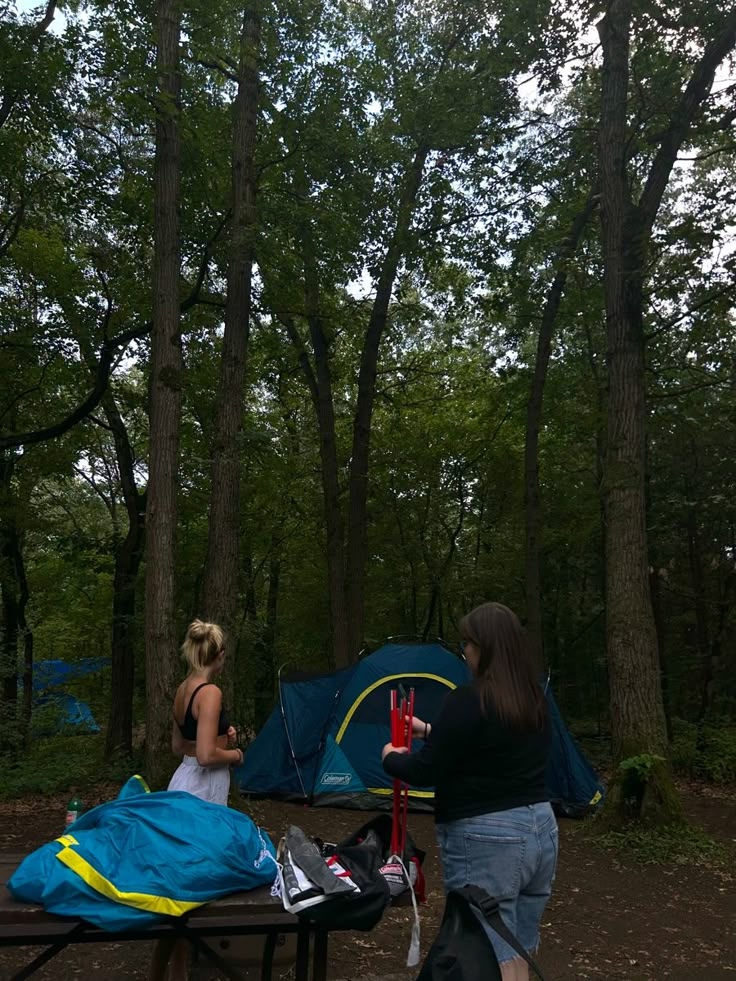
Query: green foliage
[[675, 845], [710, 756], [640, 766], [348, 93], [60, 763]]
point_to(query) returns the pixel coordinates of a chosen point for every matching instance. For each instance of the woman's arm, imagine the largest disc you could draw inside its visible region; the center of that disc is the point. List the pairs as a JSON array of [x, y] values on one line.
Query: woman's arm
[[448, 736], [209, 703]]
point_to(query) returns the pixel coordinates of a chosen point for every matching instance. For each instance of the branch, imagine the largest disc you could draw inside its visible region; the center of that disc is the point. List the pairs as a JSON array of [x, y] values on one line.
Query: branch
[[682, 118], [704, 302], [711, 153], [10, 229], [681, 391], [217, 67], [302, 355], [108, 351], [11, 95]]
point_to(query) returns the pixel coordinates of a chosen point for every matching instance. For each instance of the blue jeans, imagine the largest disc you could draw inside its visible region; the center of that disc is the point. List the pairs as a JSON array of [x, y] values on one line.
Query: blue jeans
[[513, 856]]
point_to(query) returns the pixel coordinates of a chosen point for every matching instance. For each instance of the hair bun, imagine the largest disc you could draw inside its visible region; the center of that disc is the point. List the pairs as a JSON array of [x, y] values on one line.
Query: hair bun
[[199, 630]]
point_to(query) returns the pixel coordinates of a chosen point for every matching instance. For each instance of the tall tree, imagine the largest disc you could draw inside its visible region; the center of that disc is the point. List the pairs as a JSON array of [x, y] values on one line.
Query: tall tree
[[165, 397], [9, 611], [128, 556], [222, 570], [532, 503], [637, 712]]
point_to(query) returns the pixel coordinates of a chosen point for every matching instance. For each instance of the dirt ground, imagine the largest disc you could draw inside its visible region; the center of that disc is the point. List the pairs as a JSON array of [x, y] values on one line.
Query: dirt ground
[[610, 917]]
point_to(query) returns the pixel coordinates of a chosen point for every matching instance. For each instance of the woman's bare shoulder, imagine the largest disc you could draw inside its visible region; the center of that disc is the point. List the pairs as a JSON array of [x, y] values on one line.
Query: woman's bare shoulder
[[210, 695]]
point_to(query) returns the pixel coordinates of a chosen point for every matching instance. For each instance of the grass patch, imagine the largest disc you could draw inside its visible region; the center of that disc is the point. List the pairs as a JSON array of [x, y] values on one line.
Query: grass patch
[[675, 845]]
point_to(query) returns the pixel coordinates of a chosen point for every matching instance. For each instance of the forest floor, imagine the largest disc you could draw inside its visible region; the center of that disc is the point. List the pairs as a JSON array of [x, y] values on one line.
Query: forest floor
[[612, 916]]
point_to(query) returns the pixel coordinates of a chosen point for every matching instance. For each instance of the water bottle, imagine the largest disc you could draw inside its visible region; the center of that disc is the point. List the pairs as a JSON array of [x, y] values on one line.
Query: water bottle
[[73, 809]]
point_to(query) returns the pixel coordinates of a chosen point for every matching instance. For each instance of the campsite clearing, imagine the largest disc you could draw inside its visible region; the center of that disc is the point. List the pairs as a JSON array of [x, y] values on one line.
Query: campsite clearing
[[611, 918]]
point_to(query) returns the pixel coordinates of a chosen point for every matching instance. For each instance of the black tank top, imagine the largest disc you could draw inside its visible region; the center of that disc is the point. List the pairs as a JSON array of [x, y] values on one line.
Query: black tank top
[[188, 727]]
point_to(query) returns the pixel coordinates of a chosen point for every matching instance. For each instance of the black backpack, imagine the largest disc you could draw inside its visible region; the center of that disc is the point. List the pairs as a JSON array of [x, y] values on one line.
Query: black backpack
[[377, 831], [462, 950]]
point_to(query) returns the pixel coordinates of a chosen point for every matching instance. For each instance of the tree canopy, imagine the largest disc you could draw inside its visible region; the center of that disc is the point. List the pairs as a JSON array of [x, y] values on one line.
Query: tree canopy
[[451, 287]]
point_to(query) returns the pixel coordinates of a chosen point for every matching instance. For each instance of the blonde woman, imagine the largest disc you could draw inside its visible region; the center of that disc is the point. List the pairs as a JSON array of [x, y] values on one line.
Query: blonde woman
[[201, 733]]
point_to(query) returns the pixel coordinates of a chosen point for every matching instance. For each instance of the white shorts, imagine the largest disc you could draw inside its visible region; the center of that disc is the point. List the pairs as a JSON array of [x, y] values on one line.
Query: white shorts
[[211, 783]]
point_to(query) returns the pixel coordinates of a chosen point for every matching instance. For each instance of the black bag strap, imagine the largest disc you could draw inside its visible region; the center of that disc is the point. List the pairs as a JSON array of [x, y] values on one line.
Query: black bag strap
[[488, 906]]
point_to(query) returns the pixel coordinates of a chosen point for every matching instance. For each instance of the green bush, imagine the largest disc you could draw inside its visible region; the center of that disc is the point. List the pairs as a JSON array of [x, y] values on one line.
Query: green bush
[[57, 764], [682, 750], [714, 760]]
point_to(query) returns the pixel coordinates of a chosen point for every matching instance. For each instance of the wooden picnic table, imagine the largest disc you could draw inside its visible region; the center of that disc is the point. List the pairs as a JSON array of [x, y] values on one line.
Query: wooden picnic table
[[255, 912]]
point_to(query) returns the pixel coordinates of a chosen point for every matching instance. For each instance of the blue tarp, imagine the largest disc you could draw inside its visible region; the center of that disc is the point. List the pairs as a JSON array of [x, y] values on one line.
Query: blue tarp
[[54, 672], [50, 675], [71, 711], [145, 857], [322, 743]]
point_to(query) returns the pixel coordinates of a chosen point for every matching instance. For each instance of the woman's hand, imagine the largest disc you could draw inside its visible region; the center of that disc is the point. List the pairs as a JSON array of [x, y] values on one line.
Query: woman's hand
[[420, 728], [232, 737], [390, 748]]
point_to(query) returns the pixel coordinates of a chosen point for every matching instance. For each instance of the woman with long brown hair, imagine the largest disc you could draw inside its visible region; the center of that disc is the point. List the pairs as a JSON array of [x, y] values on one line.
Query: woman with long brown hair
[[486, 756]]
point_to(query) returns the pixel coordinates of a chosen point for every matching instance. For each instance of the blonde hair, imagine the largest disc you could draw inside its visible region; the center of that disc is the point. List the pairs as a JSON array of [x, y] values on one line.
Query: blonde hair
[[202, 644]]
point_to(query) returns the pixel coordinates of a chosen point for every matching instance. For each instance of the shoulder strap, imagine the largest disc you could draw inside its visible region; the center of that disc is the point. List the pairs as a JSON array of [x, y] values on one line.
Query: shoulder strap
[[488, 906], [191, 700]]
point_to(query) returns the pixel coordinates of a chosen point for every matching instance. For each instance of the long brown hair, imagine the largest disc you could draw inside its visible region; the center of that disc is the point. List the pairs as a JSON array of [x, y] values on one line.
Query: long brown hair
[[506, 675]]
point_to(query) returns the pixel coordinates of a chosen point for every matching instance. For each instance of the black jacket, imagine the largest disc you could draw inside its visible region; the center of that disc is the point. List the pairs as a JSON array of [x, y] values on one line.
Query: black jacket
[[476, 764]]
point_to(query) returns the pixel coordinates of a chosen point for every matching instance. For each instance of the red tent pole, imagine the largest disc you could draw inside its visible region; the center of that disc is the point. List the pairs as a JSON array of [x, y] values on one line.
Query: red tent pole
[[395, 723], [405, 815]]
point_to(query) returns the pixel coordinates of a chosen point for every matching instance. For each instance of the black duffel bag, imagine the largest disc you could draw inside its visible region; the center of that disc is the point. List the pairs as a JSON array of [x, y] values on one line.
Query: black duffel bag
[[346, 910]]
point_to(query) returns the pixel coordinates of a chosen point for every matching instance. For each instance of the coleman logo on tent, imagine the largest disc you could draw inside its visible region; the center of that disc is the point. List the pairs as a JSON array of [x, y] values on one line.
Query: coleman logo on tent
[[336, 779]]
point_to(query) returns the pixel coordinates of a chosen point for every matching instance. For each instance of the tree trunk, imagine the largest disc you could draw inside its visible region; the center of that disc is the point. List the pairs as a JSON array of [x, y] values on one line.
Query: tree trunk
[[319, 381], [358, 503], [222, 567], [9, 732], [24, 632], [655, 587], [128, 556], [266, 665], [165, 402], [711, 661], [637, 712], [532, 507], [702, 632]]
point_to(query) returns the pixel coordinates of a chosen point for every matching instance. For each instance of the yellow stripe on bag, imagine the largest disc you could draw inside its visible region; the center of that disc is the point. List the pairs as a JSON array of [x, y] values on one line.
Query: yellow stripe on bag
[[67, 840], [137, 776], [138, 900]]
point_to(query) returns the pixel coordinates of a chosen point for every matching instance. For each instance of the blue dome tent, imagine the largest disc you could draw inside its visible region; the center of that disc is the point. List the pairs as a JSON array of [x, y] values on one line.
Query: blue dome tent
[[322, 742]]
